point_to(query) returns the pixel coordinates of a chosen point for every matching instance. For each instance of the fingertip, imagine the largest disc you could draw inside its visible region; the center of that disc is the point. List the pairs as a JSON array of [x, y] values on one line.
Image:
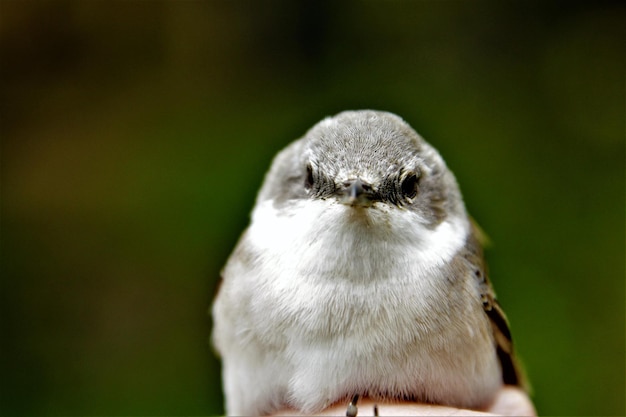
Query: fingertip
[[512, 401]]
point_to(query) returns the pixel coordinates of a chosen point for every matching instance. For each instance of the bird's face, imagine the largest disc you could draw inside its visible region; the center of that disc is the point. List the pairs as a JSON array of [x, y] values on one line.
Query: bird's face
[[358, 177], [373, 159]]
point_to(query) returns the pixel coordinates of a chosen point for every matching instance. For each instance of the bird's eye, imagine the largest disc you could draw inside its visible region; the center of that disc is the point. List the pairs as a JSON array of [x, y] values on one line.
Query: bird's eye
[[308, 180], [409, 185]]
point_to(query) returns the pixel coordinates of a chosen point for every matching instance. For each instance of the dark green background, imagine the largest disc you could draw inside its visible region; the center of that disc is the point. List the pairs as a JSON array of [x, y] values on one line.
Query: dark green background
[[135, 135]]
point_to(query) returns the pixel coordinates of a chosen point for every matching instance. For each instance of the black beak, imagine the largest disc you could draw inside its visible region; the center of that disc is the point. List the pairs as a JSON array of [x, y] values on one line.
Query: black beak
[[357, 192]]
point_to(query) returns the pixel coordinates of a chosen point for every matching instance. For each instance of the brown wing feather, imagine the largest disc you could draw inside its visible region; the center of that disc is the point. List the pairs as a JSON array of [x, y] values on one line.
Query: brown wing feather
[[512, 373]]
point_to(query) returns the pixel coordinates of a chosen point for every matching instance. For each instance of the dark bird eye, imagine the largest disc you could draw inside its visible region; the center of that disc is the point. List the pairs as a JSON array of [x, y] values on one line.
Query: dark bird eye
[[308, 180], [409, 185]]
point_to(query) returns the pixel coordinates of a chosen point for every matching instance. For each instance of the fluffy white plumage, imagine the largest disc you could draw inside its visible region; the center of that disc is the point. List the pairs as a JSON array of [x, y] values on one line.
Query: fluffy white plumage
[[322, 300]]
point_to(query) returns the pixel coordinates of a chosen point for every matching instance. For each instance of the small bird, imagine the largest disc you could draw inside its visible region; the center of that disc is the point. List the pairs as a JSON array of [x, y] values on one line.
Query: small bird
[[360, 274]]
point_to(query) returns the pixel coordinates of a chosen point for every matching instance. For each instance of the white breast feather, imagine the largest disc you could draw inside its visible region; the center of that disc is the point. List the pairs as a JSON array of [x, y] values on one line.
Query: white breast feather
[[333, 305]]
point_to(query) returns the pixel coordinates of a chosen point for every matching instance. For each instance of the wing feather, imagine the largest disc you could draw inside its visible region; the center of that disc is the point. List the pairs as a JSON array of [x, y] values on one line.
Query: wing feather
[[512, 373]]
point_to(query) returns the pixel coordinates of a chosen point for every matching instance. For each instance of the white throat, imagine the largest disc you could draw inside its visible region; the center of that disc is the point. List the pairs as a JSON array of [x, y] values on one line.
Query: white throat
[[317, 239]]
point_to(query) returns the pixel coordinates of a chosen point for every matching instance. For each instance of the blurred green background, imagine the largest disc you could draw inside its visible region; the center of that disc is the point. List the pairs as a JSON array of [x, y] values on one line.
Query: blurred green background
[[136, 134]]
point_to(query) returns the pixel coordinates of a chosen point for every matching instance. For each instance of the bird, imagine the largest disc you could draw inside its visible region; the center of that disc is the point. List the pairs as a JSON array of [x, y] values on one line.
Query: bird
[[360, 274]]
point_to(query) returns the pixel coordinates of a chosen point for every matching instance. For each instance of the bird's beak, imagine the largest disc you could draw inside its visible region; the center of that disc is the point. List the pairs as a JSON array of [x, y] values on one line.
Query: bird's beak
[[357, 193]]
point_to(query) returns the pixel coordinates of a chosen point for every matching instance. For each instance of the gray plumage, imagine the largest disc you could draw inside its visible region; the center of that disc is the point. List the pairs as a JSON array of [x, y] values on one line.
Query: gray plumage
[[360, 273]]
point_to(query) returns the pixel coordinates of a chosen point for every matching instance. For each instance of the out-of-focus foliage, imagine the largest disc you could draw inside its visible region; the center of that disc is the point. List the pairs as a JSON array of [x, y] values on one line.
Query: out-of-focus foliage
[[135, 135]]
